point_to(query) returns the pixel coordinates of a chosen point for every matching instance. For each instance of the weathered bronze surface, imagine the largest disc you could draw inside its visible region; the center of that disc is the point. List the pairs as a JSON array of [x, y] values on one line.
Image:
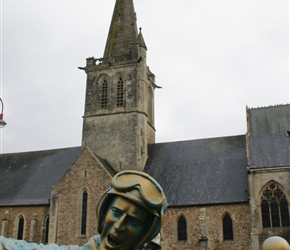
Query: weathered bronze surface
[[130, 215], [143, 194]]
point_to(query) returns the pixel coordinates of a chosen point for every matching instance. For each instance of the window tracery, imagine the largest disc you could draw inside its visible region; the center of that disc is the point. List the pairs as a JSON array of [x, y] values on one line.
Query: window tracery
[[274, 207]]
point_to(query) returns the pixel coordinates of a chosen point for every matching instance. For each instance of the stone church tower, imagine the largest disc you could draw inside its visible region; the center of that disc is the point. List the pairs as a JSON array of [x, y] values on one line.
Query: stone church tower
[[225, 193], [119, 110]]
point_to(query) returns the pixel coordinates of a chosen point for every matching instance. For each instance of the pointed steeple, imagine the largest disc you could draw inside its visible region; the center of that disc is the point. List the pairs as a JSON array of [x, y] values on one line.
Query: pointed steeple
[[123, 31], [119, 109]]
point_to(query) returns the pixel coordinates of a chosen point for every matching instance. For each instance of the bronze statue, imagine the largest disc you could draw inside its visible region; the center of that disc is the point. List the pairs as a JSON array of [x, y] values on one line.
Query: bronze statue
[[153, 245], [130, 215]]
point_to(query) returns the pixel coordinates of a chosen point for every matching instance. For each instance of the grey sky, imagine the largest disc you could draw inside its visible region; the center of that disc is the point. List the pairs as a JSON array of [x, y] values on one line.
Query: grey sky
[[211, 57]]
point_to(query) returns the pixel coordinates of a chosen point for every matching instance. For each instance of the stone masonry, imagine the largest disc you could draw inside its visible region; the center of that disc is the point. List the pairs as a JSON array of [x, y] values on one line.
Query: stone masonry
[[204, 228], [84, 174], [34, 222]]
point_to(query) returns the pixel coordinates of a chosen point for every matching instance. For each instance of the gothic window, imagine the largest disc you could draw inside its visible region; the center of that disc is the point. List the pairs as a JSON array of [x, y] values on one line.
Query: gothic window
[[45, 230], [120, 93], [284, 212], [20, 229], [274, 207], [84, 213], [228, 227], [265, 210], [104, 99], [182, 231]]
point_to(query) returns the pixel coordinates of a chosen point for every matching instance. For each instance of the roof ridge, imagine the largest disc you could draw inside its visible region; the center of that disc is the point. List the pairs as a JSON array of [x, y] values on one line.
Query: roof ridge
[[269, 106], [39, 151]]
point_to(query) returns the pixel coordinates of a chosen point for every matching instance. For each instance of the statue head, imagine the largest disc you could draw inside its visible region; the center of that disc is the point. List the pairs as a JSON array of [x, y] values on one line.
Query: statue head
[[130, 212]]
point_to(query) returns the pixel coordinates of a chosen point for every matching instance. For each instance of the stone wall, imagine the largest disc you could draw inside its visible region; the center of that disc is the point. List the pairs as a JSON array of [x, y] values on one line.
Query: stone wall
[[86, 174], [204, 223], [259, 179], [120, 133], [124, 150], [204, 228], [34, 222]]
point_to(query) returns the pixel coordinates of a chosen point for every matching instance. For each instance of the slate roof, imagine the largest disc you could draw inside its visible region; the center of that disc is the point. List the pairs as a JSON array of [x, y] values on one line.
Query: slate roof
[[195, 172], [269, 143], [26, 178], [198, 172]]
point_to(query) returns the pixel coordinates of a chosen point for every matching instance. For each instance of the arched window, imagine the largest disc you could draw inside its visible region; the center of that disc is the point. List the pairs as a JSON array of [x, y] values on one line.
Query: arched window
[[182, 231], [265, 210], [84, 212], [120, 93], [284, 212], [104, 99], [274, 207], [20, 229], [45, 229], [228, 227]]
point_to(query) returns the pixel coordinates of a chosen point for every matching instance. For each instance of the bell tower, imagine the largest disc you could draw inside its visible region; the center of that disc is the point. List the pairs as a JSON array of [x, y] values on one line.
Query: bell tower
[[118, 122]]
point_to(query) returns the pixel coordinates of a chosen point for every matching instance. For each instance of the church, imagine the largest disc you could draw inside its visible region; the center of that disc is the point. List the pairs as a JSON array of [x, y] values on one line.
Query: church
[[226, 193]]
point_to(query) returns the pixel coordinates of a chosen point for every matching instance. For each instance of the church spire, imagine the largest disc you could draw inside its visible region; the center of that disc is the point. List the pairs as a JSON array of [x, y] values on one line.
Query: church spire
[[123, 32], [119, 109]]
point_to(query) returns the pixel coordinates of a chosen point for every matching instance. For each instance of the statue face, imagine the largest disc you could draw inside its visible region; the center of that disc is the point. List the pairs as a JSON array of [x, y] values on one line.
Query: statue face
[[124, 225]]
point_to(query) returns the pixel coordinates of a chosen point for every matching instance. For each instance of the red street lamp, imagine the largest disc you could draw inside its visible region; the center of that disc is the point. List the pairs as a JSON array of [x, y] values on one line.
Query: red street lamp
[[2, 122]]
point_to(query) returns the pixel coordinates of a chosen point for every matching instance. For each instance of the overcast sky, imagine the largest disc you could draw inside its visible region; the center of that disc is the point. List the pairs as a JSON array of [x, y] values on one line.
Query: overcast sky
[[211, 57]]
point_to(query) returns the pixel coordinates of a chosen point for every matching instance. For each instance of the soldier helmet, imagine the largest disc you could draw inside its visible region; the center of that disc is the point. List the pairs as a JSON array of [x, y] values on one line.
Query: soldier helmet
[[142, 189]]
